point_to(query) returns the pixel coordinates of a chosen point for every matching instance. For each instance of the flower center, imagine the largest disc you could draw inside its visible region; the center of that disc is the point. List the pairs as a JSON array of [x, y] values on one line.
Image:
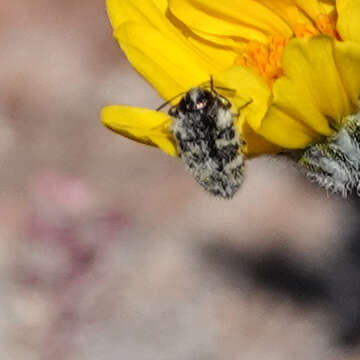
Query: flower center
[[265, 59]]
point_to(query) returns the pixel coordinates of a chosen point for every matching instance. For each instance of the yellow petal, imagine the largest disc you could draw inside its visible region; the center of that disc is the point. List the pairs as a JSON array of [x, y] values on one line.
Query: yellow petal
[[143, 125], [246, 19], [153, 13], [288, 11], [170, 66], [221, 57], [221, 41], [347, 58], [348, 24], [311, 90], [311, 7], [328, 6], [149, 12], [256, 144], [284, 130]]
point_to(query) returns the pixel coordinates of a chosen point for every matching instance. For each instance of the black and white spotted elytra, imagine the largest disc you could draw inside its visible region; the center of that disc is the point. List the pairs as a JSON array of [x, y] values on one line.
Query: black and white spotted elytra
[[208, 142]]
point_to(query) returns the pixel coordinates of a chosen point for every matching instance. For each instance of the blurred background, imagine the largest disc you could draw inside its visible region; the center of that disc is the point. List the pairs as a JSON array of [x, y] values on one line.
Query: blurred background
[[110, 250]]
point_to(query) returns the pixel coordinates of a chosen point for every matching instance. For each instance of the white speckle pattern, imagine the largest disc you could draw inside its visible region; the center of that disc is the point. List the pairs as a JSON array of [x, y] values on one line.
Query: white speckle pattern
[[335, 163], [208, 142]]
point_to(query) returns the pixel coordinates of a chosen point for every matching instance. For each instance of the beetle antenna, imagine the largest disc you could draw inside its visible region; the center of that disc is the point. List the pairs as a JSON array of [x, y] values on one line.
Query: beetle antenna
[[214, 87], [169, 101]]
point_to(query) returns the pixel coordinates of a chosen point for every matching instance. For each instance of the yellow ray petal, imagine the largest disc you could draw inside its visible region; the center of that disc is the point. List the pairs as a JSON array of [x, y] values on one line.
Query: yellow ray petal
[[232, 43], [222, 57], [311, 89], [256, 144], [150, 12], [246, 19], [347, 58], [171, 67], [282, 129], [143, 125], [348, 24], [153, 13], [328, 6], [214, 51], [288, 11], [311, 7]]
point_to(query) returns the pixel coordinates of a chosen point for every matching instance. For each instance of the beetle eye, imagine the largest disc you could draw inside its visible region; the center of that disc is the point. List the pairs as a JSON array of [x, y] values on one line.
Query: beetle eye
[[200, 105]]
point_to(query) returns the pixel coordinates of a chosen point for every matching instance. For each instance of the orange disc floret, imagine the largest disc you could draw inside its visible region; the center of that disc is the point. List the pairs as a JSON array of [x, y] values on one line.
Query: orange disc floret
[[264, 59]]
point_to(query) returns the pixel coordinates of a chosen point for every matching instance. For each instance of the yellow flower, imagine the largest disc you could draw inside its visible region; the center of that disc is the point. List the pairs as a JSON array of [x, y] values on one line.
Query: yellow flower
[[298, 60]]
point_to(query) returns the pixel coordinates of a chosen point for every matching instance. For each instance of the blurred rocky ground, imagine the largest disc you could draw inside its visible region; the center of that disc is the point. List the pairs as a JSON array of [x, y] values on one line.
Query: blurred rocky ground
[[109, 250]]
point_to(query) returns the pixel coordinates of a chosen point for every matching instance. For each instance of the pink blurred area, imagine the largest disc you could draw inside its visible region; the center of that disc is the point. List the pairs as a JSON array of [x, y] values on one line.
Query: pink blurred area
[[100, 236]]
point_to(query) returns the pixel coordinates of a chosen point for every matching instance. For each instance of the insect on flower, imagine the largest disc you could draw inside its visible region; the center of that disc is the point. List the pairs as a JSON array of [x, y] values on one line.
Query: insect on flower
[[207, 140], [299, 61]]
